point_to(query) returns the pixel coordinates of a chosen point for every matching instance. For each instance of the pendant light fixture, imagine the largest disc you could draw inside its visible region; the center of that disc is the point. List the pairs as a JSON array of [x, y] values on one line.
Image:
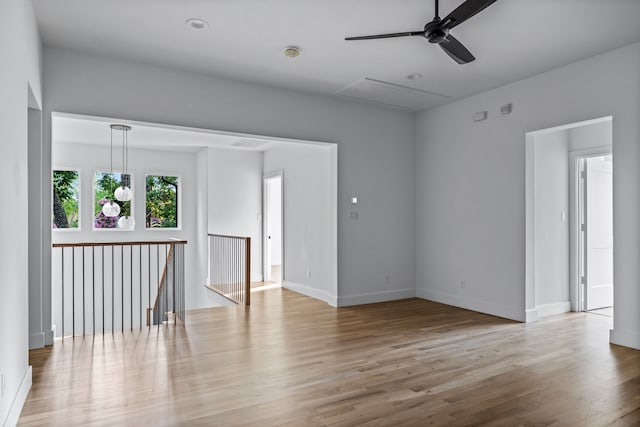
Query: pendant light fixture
[[123, 193], [111, 209]]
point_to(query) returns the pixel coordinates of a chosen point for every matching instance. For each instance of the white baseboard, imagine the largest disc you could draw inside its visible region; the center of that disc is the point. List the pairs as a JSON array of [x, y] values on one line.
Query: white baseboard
[[36, 341], [214, 299], [19, 399], [629, 339], [310, 292], [531, 315], [49, 336], [42, 339], [257, 277], [487, 307], [553, 308], [349, 300]]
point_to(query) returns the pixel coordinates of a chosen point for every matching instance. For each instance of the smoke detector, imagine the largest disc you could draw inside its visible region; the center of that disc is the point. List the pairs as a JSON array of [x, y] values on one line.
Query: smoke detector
[[291, 51]]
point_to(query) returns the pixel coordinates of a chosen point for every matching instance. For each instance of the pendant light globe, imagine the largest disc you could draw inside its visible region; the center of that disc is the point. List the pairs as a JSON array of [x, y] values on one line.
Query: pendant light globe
[[111, 209], [123, 193], [126, 222]]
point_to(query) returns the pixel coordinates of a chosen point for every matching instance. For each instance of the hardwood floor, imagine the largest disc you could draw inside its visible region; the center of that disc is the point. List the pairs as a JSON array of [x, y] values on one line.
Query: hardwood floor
[[294, 361]]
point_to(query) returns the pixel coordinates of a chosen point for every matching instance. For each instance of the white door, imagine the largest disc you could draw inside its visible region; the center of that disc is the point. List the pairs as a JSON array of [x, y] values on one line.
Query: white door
[[273, 228], [599, 233]]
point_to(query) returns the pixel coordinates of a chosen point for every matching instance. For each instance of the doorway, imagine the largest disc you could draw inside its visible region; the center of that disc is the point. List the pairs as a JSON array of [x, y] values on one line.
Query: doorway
[[596, 233], [273, 214], [569, 219]]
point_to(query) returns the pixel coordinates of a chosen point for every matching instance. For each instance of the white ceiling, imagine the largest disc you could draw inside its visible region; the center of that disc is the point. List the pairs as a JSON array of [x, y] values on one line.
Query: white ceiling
[[511, 40], [78, 129]]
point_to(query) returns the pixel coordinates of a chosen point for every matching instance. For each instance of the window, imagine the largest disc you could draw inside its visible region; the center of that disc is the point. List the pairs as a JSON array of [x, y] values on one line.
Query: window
[[66, 199], [162, 201], [104, 188]]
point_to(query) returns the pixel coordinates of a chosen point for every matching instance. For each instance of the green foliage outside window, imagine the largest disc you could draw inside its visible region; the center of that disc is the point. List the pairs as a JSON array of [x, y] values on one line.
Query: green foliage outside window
[[103, 193], [66, 197], [162, 201]]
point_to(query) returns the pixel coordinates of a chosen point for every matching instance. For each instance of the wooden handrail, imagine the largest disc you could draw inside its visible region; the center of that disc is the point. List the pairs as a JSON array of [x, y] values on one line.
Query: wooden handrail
[[135, 243], [227, 236]]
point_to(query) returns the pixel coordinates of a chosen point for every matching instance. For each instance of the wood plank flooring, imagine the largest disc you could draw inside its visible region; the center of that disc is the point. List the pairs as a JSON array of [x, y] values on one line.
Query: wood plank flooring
[[293, 361]]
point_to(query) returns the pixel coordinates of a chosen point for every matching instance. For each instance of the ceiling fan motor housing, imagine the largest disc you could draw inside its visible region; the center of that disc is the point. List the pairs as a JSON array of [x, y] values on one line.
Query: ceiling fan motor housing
[[434, 32], [437, 36]]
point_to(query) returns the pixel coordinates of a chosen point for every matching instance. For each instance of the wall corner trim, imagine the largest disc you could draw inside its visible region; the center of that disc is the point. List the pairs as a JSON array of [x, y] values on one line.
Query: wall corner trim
[[624, 338], [49, 336], [349, 300], [375, 297], [488, 307], [531, 315], [36, 340], [309, 291], [19, 399], [553, 308]]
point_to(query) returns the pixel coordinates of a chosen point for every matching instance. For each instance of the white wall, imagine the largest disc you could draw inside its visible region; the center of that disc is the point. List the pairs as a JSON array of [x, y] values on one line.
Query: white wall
[[471, 180], [591, 136], [551, 182], [37, 333], [202, 296], [20, 53], [376, 148], [307, 217], [235, 199]]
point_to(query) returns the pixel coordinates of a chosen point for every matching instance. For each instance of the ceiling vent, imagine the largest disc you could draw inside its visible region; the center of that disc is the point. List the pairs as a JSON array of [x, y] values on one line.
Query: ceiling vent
[[392, 95]]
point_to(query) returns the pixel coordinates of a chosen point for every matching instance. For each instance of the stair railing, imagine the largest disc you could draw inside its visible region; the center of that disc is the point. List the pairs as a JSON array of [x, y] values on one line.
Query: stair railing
[[230, 267], [109, 286]]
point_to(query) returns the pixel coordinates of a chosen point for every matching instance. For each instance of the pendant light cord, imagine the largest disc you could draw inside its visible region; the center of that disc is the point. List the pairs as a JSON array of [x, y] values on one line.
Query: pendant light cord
[[124, 167], [111, 166]]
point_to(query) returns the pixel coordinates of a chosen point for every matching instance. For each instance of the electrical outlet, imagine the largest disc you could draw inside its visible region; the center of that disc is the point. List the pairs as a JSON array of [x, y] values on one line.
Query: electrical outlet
[[387, 279], [463, 284], [3, 387], [308, 274]]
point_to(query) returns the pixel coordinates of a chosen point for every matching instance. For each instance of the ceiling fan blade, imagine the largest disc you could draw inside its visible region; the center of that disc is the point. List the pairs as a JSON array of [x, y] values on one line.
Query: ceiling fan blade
[[456, 50], [388, 36], [465, 11]]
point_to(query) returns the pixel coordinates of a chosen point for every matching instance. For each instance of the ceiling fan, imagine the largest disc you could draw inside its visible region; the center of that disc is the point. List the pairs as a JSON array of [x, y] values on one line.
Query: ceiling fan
[[437, 31]]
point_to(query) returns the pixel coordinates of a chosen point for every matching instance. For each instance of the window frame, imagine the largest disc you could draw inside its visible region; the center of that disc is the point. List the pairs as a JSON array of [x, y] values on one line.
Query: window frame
[[93, 200], [79, 171], [178, 208]]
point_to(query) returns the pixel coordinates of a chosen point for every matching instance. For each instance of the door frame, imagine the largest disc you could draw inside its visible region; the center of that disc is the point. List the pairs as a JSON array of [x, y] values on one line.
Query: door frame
[[577, 208], [530, 308], [266, 267]]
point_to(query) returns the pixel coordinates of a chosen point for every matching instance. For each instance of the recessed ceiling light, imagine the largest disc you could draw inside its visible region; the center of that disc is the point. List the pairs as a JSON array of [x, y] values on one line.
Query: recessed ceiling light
[[414, 76], [291, 51], [197, 23]]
